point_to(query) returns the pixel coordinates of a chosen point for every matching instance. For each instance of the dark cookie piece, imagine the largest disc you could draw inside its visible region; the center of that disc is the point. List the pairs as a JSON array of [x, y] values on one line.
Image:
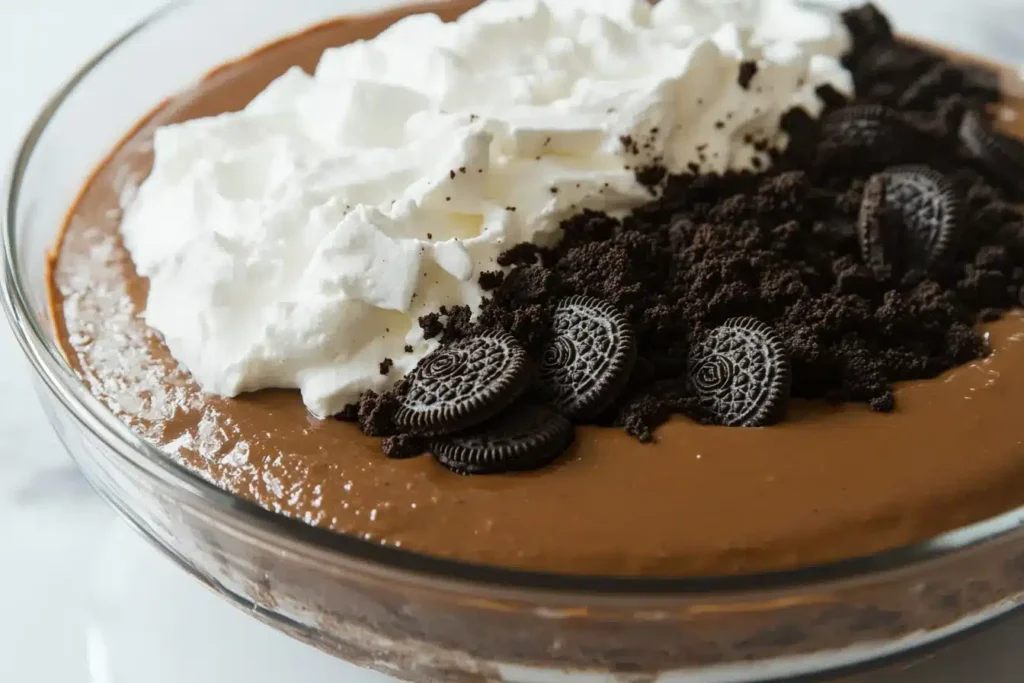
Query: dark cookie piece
[[376, 412], [403, 447], [740, 374], [588, 362], [748, 70], [1002, 155], [526, 437], [866, 135], [463, 384], [868, 26], [909, 218]]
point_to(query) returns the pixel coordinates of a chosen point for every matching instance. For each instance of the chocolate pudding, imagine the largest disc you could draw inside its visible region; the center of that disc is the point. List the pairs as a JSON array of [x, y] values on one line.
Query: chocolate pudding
[[832, 481]]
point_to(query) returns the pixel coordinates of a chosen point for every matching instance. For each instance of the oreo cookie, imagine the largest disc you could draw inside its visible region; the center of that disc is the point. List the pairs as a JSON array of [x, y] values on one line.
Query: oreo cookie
[[740, 374], [1001, 154], [589, 360], [865, 135], [463, 384], [909, 218], [527, 437]]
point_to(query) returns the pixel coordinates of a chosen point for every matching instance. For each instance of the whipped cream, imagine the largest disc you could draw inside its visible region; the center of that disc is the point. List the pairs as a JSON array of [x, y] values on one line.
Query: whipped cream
[[294, 244]]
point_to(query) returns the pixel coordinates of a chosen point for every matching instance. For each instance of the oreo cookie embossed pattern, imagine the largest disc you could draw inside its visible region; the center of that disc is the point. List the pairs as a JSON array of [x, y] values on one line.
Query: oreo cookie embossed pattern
[[463, 383], [590, 358], [740, 375], [909, 218]]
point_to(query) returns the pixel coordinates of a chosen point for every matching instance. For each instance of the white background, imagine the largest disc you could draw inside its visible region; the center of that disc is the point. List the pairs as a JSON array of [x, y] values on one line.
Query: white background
[[87, 601]]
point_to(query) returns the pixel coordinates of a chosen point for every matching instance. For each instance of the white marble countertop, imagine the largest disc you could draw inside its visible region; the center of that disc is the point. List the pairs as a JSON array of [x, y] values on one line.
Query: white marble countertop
[[87, 601]]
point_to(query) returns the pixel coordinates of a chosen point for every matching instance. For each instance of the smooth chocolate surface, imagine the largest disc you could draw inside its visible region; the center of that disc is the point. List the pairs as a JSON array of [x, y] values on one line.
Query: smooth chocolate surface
[[831, 482]]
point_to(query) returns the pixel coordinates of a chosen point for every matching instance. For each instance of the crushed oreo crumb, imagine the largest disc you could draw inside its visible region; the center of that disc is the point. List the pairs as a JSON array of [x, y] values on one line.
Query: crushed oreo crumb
[[748, 70], [350, 413], [491, 280], [629, 144], [403, 446], [651, 177], [448, 324], [830, 97], [386, 365], [431, 325], [520, 255], [376, 412]]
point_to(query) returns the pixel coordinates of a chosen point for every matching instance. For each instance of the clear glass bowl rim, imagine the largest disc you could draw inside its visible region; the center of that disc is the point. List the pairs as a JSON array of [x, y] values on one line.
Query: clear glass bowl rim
[[414, 567]]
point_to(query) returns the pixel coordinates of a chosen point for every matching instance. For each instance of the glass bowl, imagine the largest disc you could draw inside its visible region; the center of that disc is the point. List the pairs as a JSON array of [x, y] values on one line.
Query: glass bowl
[[416, 617]]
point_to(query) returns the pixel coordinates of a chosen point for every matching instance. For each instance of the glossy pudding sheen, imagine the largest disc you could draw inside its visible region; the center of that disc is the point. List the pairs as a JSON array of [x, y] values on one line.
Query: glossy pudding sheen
[[830, 482]]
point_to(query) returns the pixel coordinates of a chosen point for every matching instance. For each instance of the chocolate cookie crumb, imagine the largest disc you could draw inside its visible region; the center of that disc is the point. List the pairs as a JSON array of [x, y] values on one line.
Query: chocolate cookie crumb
[[409, 349], [885, 403], [748, 70], [521, 254], [403, 447], [386, 365], [350, 413], [459, 323], [651, 176], [449, 323], [376, 414], [830, 97], [491, 280], [431, 325]]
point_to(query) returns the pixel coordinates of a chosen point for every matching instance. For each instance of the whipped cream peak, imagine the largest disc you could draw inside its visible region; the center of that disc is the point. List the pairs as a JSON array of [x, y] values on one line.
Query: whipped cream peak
[[295, 243]]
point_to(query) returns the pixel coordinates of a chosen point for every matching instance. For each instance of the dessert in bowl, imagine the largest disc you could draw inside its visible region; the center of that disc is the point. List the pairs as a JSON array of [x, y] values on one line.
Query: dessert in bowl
[[739, 260]]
